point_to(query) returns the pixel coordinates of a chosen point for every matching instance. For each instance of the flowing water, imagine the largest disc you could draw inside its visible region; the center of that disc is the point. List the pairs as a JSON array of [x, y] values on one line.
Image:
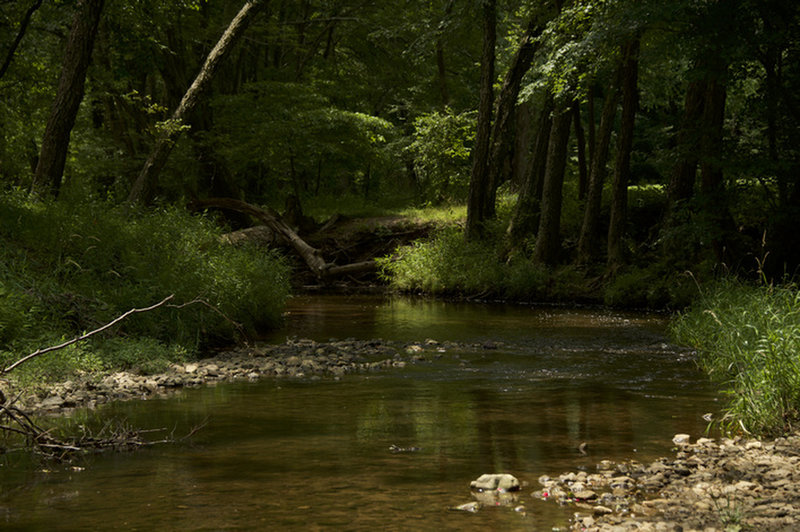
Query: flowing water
[[315, 454]]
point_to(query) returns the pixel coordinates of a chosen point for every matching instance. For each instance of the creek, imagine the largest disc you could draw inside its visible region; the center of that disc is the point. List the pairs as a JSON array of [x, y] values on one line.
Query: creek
[[314, 453]]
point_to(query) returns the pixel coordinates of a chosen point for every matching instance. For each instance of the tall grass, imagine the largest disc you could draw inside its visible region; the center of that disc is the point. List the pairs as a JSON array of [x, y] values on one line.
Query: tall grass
[[748, 338], [68, 267], [446, 264]]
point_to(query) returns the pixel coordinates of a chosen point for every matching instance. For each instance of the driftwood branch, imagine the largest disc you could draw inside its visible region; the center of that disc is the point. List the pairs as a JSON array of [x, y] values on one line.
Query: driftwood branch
[[84, 336], [118, 319]]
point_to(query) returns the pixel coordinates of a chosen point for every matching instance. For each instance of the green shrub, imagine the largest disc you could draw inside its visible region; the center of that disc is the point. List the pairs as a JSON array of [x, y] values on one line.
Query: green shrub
[[447, 264], [440, 153], [69, 267], [748, 338], [654, 286]]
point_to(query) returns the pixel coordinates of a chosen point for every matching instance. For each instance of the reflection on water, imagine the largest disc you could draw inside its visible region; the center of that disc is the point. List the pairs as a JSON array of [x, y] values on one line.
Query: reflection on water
[[316, 455]]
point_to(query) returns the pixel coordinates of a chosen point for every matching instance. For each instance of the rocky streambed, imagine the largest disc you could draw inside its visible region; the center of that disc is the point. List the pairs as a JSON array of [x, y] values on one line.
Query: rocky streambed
[[710, 485], [297, 358]]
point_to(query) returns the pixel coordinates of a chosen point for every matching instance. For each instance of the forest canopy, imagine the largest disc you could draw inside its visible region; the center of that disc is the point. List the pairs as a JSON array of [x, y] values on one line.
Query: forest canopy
[[625, 136]]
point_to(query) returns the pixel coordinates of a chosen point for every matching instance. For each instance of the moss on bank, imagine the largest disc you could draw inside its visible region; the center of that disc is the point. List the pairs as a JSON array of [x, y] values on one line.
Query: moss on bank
[[69, 267]]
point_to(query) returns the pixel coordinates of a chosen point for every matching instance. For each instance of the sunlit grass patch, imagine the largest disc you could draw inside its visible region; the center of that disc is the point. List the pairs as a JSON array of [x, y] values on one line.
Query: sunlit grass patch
[[748, 338]]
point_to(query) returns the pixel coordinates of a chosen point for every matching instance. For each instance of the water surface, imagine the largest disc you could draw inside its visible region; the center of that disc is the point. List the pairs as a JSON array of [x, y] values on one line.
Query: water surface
[[314, 454]]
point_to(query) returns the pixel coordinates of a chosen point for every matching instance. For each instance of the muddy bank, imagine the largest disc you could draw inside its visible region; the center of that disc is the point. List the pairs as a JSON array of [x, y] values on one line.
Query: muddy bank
[[709, 485], [293, 359]]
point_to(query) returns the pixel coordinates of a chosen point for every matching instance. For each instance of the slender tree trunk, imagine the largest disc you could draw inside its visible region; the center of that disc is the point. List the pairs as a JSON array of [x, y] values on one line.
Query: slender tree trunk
[[525, 219], [622, 168], [580, 140], [588, 243], [681, 185], [144, 187], [548, 240], [522, 144], [77, 56], [23, 26], [711, 174], [590, 125], [479, 181], [502, 137]]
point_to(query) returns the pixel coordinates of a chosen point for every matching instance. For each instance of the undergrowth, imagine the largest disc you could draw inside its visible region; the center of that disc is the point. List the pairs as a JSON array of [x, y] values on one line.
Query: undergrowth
[[748, 338], [68, 267]]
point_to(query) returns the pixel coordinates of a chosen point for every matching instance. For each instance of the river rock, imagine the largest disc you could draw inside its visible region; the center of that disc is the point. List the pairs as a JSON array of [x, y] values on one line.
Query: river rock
[[472, 507], [499, 482], [681, 439]]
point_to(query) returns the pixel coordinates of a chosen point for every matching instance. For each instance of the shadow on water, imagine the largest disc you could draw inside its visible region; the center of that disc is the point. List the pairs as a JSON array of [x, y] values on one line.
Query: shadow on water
[[316, 454]]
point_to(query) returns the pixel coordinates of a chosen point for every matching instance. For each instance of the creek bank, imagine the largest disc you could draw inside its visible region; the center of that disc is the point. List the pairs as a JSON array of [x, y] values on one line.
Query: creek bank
[[296, 358], [710, 485]]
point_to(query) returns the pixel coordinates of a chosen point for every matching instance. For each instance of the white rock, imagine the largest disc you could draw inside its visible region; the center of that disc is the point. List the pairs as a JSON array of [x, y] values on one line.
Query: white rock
[[681, 439]]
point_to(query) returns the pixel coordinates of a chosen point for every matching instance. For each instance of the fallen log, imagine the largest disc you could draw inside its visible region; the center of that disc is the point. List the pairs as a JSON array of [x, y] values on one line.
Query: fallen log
[[270, 218]]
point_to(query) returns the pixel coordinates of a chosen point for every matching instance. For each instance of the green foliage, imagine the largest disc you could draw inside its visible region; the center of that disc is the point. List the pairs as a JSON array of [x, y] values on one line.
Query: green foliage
[[289, 135], [653, 286], [440, 151], [748, 337], [449, 265], [68, 268]]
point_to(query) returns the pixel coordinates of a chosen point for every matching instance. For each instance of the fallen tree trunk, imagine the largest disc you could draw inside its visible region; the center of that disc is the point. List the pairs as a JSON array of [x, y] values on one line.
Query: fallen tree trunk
[[356, 268], [322, 270], [270, 218]]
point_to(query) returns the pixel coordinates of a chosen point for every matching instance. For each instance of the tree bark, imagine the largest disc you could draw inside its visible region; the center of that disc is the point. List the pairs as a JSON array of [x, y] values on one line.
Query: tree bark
[[548, 242], [77, 56], [622, 168], [502, 137], [523, 140], [143, 189], [681, 185], [580, 140], [479, 180], [588, 242], [525, 219], [711, 173]]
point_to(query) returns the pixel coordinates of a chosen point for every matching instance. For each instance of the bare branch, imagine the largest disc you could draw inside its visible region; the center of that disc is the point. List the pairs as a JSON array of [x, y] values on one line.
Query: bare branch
[[85, 336]]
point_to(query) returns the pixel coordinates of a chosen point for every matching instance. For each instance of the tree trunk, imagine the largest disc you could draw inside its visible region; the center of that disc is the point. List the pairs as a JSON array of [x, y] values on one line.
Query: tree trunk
[[144, 187], [622, 168], [502, 137], [548, 242], [580, 140], [590, 123], [522, 144], [23, 26], [525, 220], [479, 180], [271, 219], [711, 138], [77, 56], [681, 185], [588, 243]]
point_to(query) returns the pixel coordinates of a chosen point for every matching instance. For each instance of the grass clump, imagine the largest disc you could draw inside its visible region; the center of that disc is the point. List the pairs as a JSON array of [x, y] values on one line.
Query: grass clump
[[447, 264], [69, 267], [748, 338]]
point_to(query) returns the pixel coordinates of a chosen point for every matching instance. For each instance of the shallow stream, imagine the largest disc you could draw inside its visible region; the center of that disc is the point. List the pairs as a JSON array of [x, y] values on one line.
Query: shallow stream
[[315, 454]]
